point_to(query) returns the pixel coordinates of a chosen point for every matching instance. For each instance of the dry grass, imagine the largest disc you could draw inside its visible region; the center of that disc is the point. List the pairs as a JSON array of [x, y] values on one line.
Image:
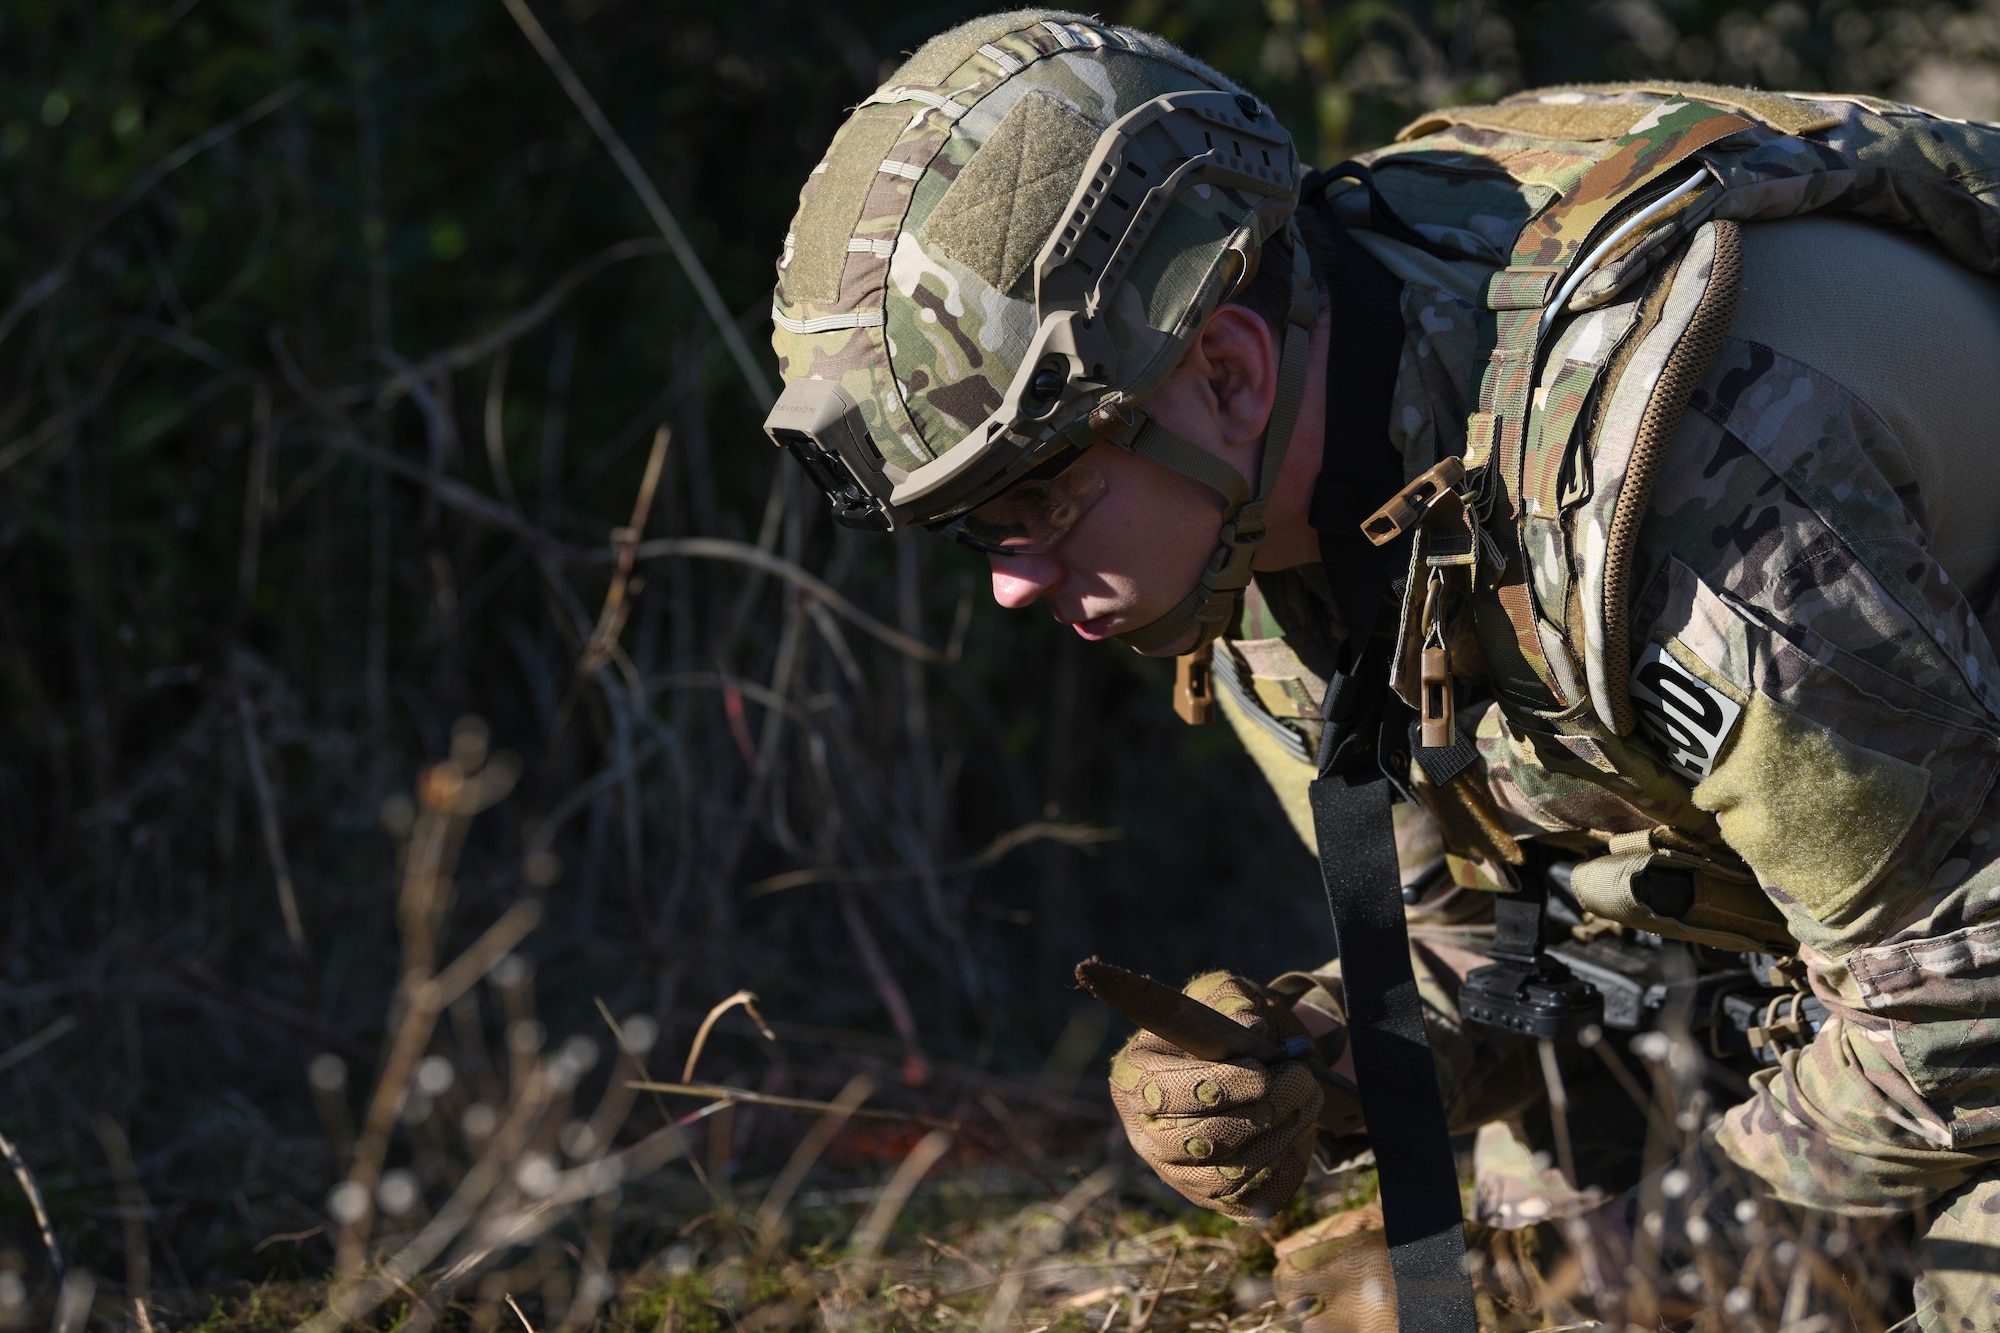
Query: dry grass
[[495, 1178]]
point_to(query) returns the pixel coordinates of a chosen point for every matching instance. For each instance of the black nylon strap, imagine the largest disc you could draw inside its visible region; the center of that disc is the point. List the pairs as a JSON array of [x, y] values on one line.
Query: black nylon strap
[[1442, 763], [1359, 469], [1394, 1072]]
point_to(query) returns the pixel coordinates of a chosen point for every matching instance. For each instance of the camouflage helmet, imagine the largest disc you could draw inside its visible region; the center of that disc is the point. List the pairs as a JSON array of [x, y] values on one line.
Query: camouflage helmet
[[1006, 249]]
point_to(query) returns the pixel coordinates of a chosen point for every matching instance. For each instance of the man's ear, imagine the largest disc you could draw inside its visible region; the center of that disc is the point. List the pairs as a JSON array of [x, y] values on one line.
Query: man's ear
[[1236, 359]]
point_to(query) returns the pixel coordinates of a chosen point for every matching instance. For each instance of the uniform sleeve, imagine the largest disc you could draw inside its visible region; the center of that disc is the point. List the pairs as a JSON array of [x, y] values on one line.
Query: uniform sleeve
[[1785, 567]]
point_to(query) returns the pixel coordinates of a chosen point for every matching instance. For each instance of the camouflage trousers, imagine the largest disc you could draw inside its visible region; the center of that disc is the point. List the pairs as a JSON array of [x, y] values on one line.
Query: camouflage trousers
[[1959, 1288], [1489, 1079]]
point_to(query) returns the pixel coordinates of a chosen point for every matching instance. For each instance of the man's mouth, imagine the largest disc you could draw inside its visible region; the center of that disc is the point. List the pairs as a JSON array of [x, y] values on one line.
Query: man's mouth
[[1095, 628]]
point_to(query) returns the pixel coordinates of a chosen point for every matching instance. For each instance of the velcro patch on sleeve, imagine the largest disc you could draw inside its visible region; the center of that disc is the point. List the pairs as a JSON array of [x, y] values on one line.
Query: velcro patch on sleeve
[[1688, 719], [1816, 815]]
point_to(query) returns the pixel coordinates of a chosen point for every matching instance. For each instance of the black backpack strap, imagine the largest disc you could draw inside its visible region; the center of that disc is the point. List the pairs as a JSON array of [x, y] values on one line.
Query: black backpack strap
[[1393, 1068]]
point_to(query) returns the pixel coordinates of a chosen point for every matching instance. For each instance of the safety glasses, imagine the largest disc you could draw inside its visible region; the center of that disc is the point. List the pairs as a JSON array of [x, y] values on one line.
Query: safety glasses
[[1032, 516]]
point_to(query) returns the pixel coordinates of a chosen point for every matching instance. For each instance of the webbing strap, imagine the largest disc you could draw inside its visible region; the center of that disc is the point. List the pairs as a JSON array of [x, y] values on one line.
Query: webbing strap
[[1294, 368], [1393, 1069], [1294, 365], [1212, 601], [1360, 468], [1191, 460]]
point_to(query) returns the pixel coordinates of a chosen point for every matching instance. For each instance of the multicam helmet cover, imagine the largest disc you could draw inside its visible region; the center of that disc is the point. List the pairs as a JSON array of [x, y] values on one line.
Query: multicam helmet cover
[[1007, 248]]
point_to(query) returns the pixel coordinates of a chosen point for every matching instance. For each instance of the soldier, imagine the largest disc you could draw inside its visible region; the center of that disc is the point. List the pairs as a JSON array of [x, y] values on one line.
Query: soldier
[[1663, 410]]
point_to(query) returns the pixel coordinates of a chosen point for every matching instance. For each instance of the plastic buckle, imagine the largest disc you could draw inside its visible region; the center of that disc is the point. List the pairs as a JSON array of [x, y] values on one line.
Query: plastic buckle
[[1245, 530], [1540, 999], [1408, 506]]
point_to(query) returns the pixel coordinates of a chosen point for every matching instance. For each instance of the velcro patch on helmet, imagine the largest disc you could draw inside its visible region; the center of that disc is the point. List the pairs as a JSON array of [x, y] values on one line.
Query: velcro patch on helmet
[[941, 56], [1011, 196], [827, 220]]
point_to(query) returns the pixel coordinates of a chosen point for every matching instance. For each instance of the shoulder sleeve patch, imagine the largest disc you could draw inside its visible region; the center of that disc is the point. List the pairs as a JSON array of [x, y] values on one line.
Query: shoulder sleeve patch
[[1688, 719], [1814, 814]]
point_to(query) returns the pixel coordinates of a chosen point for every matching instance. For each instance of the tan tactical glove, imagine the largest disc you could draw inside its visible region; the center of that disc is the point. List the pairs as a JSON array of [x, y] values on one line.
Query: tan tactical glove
[[1234, 1136], [1333, 1276]]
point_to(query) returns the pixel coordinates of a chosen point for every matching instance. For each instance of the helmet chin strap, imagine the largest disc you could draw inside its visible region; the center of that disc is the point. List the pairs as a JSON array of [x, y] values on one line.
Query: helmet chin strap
[[1212, 603]]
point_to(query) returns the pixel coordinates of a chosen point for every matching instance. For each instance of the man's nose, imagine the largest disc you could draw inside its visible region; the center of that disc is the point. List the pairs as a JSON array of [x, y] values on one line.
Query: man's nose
[[1020, 579]]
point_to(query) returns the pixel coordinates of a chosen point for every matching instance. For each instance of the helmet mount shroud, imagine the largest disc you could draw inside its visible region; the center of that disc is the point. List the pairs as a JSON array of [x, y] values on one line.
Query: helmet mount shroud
[[1166, 216]]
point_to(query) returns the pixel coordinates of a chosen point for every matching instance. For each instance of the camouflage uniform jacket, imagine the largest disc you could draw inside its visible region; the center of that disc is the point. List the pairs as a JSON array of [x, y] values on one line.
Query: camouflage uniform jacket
[[1817, 704]]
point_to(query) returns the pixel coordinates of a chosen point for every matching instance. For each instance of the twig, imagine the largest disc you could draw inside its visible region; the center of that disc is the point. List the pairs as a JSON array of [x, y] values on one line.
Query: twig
[[1083, 1194], [34, 1193], [1632, 1088], [1558, 1110], [874, 1228], [518, 1313], [727, 1093], [602, 646], [638, 1058], [520, 1225], [771, 1213], [274, 1011], [1012, 1282], [350, 1302], [525, 321], [17, 449], [132, 1210], [748, 999], [916, 1067], [286, 1237], [1141, 1318], [427, 1000], [48, 1036], [542, 833], [635, 175], [256, 498], [1070, 835], [1801, 1283], [457, 495], [754, 691], [42, 288], [274, 842], [953, 1252], [454, 494], [721, 548], [495, 428], [73, 1302]]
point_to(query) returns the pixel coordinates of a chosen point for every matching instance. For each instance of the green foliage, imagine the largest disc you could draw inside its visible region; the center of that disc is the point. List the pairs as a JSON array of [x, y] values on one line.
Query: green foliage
[[265, 1307], [686, 1294]]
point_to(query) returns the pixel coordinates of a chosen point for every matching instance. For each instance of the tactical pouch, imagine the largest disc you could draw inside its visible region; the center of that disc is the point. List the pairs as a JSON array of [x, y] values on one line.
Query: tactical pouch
[[1679, 895]]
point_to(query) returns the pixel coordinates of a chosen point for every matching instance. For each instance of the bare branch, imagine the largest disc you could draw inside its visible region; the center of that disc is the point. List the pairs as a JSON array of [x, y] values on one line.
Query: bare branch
[[1070, 835], [642, 185], [42, 288], [721, 548], [525, 321]]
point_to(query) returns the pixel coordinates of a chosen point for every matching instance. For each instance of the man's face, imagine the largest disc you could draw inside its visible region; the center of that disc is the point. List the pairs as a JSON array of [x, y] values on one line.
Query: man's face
[[1132, 556], [1141, 546]]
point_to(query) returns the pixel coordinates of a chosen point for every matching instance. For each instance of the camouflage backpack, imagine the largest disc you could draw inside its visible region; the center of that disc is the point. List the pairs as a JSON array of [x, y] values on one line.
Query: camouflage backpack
[[1619, 289]]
